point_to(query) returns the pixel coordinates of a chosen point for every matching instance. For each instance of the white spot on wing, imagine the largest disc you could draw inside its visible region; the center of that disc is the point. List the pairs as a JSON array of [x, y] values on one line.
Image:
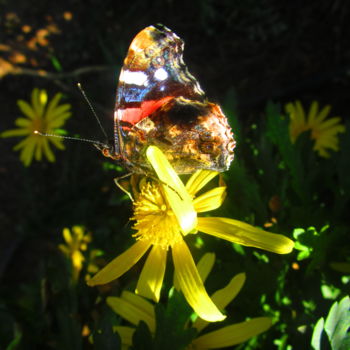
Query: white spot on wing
[[161, 74], [135, 78], [118, 114]]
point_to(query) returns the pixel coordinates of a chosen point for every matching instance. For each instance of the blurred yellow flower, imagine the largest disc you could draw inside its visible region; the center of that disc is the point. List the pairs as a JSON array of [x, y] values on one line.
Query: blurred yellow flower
[[165, 211], [134, 309], [42, 116], [77, 240], [323, 132]]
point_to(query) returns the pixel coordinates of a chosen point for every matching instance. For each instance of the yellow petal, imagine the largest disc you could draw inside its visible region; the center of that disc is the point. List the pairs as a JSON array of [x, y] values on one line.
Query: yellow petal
[[175, 191], [192, 286], [57, 142], [27, 152], [223, 297], [198, 180], [126, 334], [23, 144], [15, 132], [133, 310], [58, 122], [58, 112], [329, 124], [53, 104], [36, 104], [152, 275], [300, 114], [245, 234], [233, 334], [47, 150], [210, 200], [38, 150], [204, 267], [313, 112], [322, 115], [26, 109], [23, 122], [120, 264]]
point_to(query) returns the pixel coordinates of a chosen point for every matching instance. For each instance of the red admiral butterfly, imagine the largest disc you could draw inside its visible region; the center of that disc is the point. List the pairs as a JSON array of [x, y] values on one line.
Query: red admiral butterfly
[[160, 103]]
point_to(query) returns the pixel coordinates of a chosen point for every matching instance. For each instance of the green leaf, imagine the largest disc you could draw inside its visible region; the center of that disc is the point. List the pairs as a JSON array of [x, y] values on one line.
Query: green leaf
[[338, 323], [317, 334], [278, 132], [336, 326], [171, 333], [56, 64], [104, 338], [142, 338]]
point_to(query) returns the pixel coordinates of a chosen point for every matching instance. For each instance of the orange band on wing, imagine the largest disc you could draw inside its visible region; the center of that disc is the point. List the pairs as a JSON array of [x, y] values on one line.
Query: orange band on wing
[[134, 115]]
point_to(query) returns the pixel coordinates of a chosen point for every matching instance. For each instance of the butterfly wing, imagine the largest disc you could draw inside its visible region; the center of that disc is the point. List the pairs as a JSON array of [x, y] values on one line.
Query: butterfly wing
[[152, 74], [160, 103]]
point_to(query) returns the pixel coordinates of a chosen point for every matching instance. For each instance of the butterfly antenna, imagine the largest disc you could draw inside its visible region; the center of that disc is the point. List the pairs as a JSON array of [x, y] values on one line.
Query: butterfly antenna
[[70, 138], [92, 110]]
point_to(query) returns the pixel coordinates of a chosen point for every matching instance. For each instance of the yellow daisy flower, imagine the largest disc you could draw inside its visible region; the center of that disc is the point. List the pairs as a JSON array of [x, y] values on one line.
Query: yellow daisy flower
[[323, 132], [43, 117], [76, 242], [165, 211], [134, 309]]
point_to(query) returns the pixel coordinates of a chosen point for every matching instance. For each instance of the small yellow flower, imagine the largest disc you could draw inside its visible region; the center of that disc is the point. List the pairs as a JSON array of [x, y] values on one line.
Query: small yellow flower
[[323, 132], [42, 116], [165, 211], [76, 242], [134, 309]]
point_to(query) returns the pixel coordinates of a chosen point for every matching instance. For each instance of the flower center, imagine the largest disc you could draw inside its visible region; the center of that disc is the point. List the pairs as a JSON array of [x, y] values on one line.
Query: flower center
[[39, 124], [155, 221]]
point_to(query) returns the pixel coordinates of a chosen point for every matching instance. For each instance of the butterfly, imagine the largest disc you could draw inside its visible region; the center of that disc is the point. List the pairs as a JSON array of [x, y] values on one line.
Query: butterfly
[[160, 103]]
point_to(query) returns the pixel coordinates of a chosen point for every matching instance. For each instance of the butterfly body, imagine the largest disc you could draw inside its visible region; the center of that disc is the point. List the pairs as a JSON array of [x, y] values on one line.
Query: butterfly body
[[160, 103]]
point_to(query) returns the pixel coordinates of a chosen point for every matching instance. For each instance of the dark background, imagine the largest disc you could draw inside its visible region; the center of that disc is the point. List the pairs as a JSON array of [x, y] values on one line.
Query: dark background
[[254, 50]]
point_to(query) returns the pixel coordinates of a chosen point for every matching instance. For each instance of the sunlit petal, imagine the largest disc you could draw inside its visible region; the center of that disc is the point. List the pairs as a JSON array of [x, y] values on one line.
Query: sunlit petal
[[198, 180], [192, 286], [233, 334], [223, 297], [205, 265], [245, 234], [210, 200], [178, 198], [120, 264], [151, 278]]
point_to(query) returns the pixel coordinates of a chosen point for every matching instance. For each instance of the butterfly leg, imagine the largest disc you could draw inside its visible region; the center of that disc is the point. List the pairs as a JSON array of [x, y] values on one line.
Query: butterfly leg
[[116, 181]]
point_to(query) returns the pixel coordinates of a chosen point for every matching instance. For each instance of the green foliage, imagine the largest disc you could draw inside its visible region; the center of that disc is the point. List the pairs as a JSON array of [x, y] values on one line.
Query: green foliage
[[336, 327]]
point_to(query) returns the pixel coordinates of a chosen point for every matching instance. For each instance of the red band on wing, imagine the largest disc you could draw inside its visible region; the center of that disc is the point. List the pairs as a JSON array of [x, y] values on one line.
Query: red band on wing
[[134, 115]]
